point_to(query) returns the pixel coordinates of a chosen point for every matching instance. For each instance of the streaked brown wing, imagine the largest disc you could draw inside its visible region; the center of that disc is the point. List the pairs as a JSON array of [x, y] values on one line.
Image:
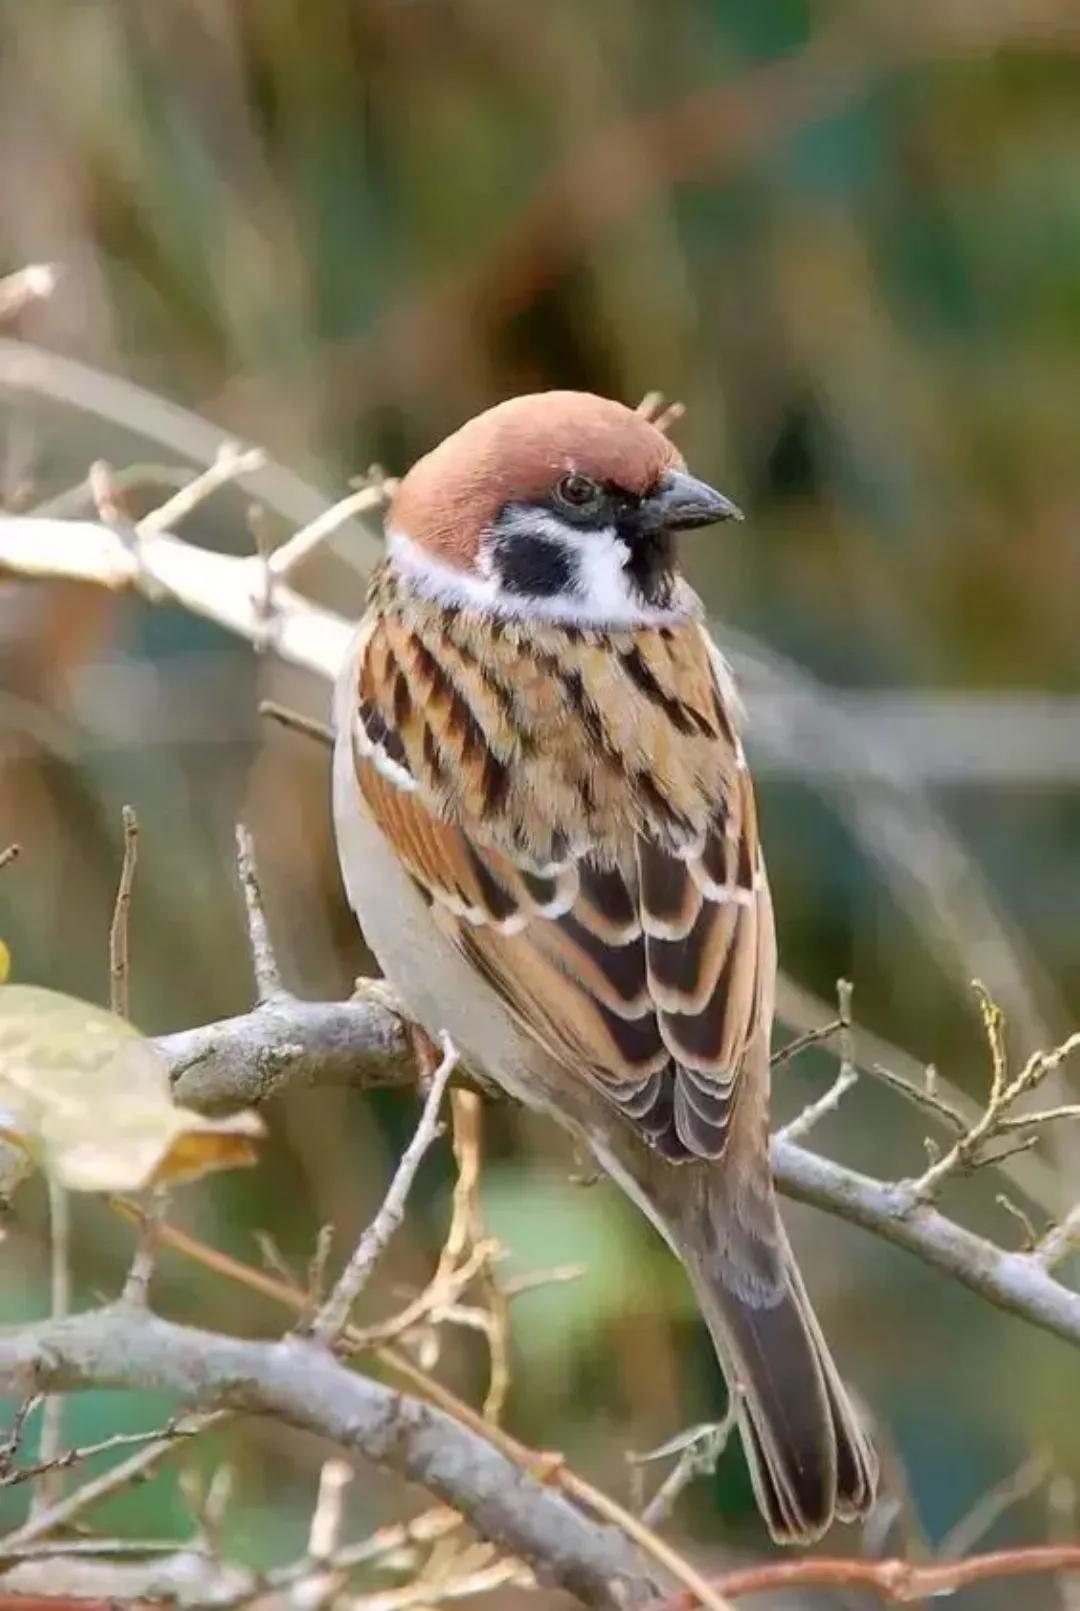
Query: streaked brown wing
[[648, 973]]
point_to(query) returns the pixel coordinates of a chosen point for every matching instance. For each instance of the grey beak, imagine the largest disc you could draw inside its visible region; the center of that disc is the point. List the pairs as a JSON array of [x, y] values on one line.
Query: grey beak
[[681, 502]]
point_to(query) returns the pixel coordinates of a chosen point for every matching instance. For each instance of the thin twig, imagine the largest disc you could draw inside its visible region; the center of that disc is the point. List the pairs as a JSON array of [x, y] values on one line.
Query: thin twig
[[814, 1112], [848, 1074], [441, 1292], [923, 1096], [468, 1222], [800, 1043], [500, 1574], [698, 1452], [303, 543], [310, 726], [264, 594], [76, 500], [231, 463], [107, 496], [263, 959], [317, 1267], [331, 1318], [967, 1152], [428, 1527], [989, 1508], [51, 1483], [136, 1287], [208, 1500], [1059, 1241], [468, 1254], [135, 1469], [1022, 1217], [74, 1456], [329, 1514], [1039, 1116], [660, 413], [669, 417], [650, 405], [532, 1280], [9, 1448], [119, 937], [896, 1581]]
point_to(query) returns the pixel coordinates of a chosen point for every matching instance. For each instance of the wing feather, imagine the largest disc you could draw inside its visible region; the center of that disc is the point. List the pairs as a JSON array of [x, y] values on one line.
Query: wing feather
[[647, 971]]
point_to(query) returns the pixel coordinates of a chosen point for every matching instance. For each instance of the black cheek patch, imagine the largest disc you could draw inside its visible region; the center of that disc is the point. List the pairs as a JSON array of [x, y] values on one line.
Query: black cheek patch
[[535, 567]]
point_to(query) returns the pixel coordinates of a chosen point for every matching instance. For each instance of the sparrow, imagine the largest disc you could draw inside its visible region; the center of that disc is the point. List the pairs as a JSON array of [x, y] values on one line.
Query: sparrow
[[547, 829]]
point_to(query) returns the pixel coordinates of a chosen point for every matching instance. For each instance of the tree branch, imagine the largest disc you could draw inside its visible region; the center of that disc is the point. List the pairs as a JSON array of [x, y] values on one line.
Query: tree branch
[[896, 1581], [1017, 1282], [240, 1061], [299, 1383], [223, 588], [332, 1316]]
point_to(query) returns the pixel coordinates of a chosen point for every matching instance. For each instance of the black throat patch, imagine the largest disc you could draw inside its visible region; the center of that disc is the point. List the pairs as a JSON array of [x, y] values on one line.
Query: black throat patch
[[651, 565]]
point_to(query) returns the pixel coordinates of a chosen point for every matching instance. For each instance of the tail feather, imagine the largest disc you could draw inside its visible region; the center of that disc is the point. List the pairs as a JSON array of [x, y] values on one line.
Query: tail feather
[[856, 1464], [809, 1458]]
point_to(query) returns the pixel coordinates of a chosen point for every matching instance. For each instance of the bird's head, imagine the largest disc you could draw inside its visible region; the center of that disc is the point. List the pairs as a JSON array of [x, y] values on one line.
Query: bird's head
[[560, 505]]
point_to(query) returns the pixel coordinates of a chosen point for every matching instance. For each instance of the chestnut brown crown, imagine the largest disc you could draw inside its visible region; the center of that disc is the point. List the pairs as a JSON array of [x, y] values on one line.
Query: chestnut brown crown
[[516, 452]]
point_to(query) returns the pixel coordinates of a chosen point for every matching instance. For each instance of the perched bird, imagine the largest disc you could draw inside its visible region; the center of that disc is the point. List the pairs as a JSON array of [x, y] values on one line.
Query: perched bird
[[547, 829]]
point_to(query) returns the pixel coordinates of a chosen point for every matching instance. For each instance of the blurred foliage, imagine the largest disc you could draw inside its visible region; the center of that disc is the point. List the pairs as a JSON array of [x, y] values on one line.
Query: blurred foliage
[[845, 234]]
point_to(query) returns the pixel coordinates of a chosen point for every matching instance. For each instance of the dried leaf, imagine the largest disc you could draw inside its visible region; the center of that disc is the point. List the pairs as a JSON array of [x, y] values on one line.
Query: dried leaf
[[88, 1098]]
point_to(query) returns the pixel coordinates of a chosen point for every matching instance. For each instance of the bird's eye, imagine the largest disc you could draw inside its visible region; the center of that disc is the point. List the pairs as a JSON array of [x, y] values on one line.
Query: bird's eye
[[577, 490]]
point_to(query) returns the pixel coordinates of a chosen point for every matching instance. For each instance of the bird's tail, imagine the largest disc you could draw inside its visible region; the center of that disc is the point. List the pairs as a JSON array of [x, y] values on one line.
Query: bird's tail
[[809, 1458]]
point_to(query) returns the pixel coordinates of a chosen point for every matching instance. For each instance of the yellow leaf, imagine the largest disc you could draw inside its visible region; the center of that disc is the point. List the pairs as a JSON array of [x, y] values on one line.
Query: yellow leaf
[[88, 1097], [5, 961]]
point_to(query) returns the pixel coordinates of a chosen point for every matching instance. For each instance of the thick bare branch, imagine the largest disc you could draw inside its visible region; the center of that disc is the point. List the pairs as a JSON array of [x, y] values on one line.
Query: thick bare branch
[[299, 1383], [219, 587], [237, 1062]]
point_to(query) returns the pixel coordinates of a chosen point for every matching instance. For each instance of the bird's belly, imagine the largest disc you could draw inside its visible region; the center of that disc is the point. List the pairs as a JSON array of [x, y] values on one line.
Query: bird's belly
[[436, 985]]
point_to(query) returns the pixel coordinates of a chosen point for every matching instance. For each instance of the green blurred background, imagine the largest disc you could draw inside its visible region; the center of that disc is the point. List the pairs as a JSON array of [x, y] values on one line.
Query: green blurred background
[[847, 237]]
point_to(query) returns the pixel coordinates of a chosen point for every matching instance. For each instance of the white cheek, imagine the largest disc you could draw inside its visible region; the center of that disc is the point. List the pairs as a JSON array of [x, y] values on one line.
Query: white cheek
[[603, 588], [602, 591], [603, 595]]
